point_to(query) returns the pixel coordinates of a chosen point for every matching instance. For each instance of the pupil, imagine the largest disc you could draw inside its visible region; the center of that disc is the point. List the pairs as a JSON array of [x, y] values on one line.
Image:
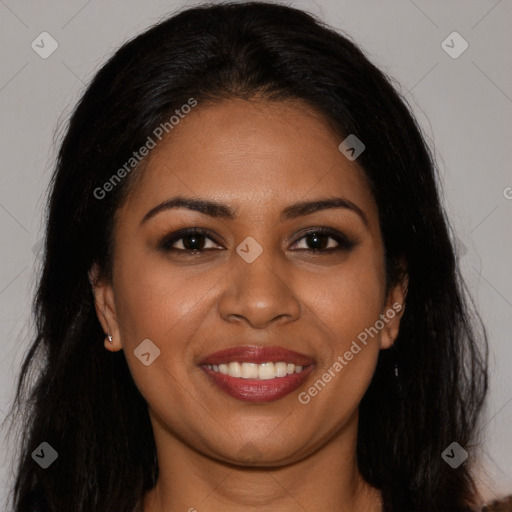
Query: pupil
[[190, 246], [316, 237]]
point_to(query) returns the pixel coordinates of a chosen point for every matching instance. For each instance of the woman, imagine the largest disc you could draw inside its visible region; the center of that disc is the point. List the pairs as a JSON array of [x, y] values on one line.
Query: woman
[[250, 299]]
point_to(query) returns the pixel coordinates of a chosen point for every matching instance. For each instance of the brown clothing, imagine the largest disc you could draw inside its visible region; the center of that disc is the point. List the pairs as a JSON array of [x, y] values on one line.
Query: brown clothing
[[502, 505]]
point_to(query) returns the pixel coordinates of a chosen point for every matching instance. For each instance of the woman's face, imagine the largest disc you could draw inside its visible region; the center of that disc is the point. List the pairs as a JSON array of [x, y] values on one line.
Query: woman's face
[[251, 281]]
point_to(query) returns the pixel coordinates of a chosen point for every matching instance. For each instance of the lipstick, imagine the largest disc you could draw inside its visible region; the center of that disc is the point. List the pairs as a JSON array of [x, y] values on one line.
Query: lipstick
[[256, 354], [257, 374]]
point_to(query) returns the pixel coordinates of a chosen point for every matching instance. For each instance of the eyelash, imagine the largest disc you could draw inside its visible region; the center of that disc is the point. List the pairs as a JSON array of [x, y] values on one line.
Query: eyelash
[[345, 244]]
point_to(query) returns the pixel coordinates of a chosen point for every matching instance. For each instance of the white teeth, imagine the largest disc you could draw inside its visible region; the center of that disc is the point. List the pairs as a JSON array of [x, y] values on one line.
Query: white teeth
[[234, 369], [249, 370], [280, 369], [264, 371]]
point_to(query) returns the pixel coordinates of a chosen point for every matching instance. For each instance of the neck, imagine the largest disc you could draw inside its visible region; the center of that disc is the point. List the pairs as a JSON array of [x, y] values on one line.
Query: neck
[[326, 480]]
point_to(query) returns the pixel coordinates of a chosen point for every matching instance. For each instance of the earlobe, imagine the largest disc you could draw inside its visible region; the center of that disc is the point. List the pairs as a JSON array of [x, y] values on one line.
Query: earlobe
[[105, 309], [393, 312], [391, 339], [110, 345]]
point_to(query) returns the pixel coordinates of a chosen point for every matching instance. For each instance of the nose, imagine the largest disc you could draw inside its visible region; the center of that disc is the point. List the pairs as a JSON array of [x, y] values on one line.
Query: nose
[[259, 293]]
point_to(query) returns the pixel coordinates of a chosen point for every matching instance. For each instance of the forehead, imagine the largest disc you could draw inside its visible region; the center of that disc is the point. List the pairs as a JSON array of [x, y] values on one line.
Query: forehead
[[254, 155]]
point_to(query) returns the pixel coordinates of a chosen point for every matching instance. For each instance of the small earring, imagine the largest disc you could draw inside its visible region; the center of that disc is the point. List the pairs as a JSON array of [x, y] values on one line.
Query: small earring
[[109, 338]]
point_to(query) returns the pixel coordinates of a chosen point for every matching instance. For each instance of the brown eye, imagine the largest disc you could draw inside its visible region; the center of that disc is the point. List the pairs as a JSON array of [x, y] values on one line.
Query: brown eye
[[326, 240], [191, 240]]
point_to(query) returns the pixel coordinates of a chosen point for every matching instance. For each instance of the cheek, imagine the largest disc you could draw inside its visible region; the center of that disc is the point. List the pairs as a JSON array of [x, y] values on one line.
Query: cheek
[[164, 307], [157, 299], [348, 298], [347, 305], [164, 304], [347, 302]]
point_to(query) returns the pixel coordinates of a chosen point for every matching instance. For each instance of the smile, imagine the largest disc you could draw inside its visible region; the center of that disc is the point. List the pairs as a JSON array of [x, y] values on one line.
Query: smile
[[263, 371], [256, 389], [255, 373]]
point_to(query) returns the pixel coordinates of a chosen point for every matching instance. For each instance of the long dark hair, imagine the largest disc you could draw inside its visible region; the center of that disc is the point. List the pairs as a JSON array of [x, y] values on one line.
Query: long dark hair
[[84, 402]]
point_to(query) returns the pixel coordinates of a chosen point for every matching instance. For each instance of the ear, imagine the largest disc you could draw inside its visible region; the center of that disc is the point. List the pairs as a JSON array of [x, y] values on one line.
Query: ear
[[393, 311], [104, 304]]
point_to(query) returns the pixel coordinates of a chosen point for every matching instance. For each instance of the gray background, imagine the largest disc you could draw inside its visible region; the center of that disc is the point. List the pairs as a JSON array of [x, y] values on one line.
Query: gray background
[[464, 106]]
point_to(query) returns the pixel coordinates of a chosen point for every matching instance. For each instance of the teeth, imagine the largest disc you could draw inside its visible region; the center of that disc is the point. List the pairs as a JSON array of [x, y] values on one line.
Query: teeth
[[234, 369], [249, 371], [266, 371], [263, 371], [281, 370]]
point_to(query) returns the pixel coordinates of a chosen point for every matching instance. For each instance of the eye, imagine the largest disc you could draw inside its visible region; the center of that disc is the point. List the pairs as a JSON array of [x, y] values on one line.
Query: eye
[[191, 240], [319, 239], [194, 241]]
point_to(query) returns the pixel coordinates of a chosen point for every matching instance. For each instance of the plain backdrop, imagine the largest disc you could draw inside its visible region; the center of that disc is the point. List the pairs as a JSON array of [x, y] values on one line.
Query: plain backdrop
[[463, 104]]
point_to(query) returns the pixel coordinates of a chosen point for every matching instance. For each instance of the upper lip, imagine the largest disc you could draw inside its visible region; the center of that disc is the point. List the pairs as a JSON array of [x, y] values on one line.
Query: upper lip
[[256, 354]]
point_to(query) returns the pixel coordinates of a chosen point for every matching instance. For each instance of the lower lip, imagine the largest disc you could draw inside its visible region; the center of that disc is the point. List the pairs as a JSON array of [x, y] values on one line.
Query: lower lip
[[256, 390]]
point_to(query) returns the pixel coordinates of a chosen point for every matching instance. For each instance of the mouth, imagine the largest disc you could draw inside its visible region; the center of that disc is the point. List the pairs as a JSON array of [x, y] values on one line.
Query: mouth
[[257, 374]]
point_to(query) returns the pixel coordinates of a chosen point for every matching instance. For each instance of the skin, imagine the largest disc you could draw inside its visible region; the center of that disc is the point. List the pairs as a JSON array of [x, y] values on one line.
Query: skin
[[257, 157]]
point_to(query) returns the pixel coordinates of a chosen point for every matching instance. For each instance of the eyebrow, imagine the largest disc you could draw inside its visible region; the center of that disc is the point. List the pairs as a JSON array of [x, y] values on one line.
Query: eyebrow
[[219, 210]]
